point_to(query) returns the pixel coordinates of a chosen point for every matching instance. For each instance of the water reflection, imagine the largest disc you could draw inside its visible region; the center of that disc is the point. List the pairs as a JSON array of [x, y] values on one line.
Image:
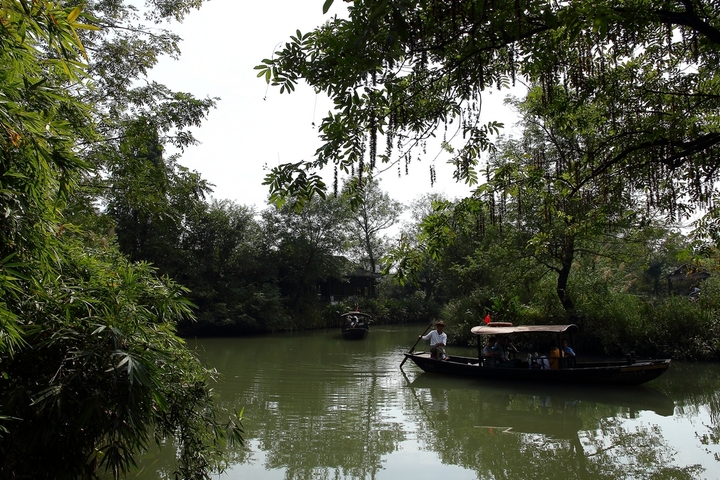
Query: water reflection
[[318, 406], [512, 431]]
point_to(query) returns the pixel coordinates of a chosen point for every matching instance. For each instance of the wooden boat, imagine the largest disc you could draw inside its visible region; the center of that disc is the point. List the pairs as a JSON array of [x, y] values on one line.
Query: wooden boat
[[355, 325], [567, 369]]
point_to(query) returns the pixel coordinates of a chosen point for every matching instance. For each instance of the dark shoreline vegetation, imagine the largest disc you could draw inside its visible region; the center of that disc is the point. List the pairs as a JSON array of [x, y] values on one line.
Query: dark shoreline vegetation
[[668, 327], [109, 247]]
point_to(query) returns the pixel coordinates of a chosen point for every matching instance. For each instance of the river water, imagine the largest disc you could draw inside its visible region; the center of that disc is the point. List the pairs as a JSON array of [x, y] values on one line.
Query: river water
[[321, 407]]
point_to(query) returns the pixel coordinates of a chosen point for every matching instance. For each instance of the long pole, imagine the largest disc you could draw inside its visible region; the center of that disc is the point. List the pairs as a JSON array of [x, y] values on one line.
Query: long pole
[[416, 342]]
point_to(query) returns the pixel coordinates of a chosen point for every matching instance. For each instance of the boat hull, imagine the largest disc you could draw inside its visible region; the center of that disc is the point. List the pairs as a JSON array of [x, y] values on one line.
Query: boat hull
[[355, 333], [609, 373]]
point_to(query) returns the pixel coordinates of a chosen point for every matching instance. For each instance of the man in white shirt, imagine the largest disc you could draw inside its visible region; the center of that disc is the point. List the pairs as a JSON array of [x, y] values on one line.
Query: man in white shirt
[[438, 339]]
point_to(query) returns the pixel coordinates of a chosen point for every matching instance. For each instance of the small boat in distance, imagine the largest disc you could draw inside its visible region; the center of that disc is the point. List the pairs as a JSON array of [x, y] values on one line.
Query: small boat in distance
[[355, 325], [562, 369]]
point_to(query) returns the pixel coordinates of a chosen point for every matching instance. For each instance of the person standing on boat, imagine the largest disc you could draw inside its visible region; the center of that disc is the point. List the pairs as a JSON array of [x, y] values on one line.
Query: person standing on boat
[[438, 340]]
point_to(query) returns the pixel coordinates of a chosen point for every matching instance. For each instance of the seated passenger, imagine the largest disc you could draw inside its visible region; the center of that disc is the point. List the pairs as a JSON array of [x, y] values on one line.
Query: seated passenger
[[502, 348], [499, 351], [544, 362], [568, 360], [554, 357], [489, 353]]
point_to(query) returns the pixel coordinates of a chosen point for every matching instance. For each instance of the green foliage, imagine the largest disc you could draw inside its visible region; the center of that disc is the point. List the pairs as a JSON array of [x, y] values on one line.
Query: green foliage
[[293, 182], [150, 198], [614, 321], [460, 315], [543, 305], [407, 71], [505, 309], [304, 245], [101, 367], [92, 369], [403, 303], [38, 120], [694, 325]]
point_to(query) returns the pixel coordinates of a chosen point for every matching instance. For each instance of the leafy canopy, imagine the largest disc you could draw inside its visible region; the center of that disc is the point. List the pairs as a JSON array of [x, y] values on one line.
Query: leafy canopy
[[408, 71]]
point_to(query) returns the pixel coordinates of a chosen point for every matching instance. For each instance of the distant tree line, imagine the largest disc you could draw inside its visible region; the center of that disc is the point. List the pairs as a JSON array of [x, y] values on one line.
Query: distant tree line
[[246, 271]]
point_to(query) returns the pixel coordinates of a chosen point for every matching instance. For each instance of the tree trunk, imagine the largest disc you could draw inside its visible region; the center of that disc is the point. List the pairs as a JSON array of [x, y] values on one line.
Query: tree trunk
[[568, 253]]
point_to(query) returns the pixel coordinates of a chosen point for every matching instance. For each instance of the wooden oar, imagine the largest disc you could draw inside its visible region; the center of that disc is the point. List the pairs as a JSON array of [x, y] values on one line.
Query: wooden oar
[[416, 342]]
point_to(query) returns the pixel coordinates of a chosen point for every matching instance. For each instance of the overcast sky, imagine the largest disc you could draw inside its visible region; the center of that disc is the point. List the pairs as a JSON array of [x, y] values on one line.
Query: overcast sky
[[254, 125]]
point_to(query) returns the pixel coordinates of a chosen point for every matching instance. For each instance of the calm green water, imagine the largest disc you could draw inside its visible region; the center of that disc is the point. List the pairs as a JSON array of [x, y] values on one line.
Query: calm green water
[[320, 407]]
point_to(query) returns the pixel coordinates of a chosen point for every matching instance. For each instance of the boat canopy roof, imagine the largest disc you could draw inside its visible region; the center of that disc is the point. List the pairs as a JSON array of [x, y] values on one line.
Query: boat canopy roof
[[356, 313], [490, 330]]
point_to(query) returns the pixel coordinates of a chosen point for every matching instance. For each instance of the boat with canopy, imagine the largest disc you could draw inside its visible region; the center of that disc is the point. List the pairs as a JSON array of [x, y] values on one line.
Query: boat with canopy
[[565, 369], [355, 325]]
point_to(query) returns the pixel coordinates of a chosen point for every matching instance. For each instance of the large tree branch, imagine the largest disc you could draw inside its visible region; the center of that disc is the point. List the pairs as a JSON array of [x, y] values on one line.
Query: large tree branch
[[673, 161], [687, 18], [691, 19]]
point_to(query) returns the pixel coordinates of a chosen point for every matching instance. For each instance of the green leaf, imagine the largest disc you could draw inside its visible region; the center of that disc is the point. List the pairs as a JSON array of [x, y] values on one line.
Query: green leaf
[[74, 14], [84, 26]]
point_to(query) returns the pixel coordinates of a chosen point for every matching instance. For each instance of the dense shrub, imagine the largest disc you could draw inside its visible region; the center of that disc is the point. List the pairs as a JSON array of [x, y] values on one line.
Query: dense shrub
[[615, 322]]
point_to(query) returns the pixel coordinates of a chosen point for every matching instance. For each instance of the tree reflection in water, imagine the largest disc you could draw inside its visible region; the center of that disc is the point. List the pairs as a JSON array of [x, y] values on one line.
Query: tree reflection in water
[[509, 431], [330, 422]]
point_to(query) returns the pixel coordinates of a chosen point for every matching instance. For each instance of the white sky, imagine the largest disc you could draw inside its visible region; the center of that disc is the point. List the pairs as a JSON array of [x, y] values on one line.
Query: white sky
[[254, 125]]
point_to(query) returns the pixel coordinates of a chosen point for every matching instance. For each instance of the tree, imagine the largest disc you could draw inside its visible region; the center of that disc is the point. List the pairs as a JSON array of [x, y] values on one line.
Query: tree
[[560, 207], [307, 244], [121, 54], [466, 252], [133, 177], [230, 275], [90, 364], [412, 69], [149, 197], [374, 212], [103, 374], [412, 259], [38, 122]]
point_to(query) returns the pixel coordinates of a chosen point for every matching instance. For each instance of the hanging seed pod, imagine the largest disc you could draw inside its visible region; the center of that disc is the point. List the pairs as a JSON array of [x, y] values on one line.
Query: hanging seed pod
[[335, 180]]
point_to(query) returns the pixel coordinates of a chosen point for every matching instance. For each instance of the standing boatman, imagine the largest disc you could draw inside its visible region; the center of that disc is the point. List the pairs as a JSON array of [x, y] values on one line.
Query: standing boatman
[[438, 340]]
